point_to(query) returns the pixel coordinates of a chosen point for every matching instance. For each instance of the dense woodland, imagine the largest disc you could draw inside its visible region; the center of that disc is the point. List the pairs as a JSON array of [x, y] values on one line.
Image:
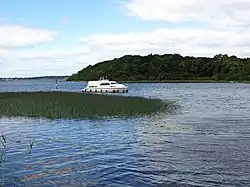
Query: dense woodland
[[168, 67]]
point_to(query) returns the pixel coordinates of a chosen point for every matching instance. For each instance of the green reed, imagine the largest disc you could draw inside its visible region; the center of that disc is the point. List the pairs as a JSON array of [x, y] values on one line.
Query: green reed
[[31, 146], [77, 105], [1, 157], [3, 141], [2, 153]]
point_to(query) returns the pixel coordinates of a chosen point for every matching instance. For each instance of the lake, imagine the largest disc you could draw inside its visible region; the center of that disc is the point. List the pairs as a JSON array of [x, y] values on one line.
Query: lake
[[206, 142]]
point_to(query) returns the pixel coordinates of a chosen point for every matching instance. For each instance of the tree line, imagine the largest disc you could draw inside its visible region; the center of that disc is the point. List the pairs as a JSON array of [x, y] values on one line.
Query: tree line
[[168, 67]]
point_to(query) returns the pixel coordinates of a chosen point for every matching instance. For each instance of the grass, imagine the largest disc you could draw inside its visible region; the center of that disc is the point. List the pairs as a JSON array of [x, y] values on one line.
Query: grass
[[77, 105]]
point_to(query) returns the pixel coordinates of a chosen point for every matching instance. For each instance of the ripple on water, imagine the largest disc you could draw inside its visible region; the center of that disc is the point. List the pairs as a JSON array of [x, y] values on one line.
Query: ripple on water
[[205, 143]]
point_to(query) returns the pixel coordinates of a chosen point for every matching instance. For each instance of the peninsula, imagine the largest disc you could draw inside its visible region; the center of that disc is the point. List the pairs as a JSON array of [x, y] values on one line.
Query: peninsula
[[168, 68]]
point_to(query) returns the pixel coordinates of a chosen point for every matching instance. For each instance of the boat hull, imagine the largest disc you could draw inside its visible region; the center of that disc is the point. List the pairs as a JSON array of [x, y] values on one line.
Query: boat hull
[[106, 90]]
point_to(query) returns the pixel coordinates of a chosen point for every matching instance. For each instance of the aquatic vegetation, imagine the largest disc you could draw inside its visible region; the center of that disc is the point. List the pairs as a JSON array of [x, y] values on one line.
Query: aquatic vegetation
[[31, 146], [77, 105], [1, 157], [3, 153], [3, 141]]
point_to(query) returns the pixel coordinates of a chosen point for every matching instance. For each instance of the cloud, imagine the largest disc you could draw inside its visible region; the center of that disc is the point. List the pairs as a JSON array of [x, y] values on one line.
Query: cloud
[[188, 41], [96, 48], [13, 41], [222, 13], [26, 63], [225, 32], [224, 22], [12, 36], [52, 54]]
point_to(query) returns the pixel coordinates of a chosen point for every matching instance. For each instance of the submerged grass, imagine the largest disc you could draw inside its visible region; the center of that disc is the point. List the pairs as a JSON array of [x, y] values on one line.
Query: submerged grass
[[77, 105]]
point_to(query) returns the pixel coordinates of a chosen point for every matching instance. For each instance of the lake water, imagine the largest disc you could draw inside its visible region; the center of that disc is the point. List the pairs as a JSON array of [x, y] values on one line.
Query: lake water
[[205, 143]]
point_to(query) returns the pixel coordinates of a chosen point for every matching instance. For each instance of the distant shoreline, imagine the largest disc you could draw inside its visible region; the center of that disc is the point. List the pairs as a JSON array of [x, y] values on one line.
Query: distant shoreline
[[128, 81], [169, 68], [172, 81], [185, 81], [34, 78]]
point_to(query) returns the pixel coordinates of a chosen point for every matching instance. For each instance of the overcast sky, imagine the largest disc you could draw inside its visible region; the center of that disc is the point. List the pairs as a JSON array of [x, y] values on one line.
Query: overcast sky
[[60, 37]]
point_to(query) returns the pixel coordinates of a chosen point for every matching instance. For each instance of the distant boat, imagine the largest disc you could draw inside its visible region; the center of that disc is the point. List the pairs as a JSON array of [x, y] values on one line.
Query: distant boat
[[106, 86]]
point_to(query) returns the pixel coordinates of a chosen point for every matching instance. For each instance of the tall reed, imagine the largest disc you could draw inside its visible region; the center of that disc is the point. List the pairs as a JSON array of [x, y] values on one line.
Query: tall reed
[[77, 105]]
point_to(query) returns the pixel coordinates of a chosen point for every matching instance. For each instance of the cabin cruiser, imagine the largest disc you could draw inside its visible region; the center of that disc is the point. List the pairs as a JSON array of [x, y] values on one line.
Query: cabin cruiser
[[105, 85]]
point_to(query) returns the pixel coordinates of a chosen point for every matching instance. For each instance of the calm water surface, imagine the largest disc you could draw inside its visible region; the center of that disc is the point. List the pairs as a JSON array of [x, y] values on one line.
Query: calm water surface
[[205, 143]]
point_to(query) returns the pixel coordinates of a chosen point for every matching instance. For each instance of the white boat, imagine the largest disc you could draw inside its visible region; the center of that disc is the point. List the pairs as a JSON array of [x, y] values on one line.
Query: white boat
[[106, 86]]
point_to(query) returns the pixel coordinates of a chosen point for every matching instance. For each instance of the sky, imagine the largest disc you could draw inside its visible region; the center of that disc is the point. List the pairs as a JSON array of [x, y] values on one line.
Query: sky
[[61, 37]]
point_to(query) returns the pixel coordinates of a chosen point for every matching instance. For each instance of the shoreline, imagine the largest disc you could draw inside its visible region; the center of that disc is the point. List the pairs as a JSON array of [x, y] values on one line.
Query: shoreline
[[173, 81], [147, 81]]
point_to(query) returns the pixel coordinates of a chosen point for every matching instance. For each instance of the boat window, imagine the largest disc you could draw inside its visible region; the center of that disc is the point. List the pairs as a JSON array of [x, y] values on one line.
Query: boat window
[[92, 86], [102, 84], [113, 83]]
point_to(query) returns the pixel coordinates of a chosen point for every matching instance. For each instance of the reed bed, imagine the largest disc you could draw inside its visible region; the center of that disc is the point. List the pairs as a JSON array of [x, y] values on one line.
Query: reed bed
[[77, 105]]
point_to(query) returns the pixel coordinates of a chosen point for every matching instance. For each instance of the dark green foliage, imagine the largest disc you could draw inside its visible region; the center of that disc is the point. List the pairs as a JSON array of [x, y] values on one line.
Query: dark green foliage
[[76, 105], [168, 67]]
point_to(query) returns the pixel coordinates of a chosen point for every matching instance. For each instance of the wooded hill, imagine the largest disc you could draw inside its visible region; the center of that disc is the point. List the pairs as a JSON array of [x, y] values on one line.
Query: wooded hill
[[168, 67]]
